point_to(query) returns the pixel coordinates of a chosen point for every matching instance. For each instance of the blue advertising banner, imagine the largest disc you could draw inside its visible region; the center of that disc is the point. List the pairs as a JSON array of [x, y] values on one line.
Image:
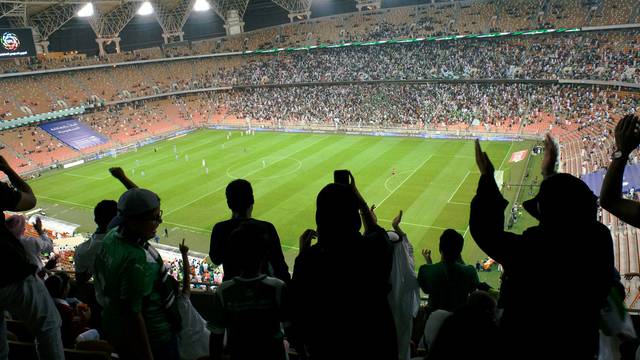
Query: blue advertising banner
[[74, 133]]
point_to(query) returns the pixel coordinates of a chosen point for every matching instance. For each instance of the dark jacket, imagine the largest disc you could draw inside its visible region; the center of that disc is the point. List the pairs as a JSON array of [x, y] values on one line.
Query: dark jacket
[[559, 277], [340, 301], [220, 250]]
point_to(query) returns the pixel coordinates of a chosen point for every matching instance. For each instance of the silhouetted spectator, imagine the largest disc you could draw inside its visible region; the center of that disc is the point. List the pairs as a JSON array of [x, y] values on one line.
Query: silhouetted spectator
[[567, 315], [85, 256], [140, 316], [240, 200], [251, 307], [86, 252], [21, 293], [469, 331], [341, 283], [449, 282]]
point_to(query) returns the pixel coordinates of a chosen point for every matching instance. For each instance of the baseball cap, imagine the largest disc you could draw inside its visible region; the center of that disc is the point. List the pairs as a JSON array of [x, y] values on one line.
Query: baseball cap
[[137, 201]]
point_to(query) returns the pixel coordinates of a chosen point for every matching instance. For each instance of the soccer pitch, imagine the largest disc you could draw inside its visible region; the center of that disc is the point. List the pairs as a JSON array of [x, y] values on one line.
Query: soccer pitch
[[434, 182]]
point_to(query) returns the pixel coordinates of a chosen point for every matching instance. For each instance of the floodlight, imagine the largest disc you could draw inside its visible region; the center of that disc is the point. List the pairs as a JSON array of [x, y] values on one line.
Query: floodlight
[[145, 9], [86, 10], [201, 5]]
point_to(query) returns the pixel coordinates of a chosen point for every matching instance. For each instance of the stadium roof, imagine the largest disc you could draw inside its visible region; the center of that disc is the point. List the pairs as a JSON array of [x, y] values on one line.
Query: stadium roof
[[57, 27], [111, 16]]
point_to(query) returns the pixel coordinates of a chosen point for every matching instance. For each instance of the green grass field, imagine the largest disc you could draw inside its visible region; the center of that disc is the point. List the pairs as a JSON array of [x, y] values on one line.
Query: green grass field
[[434, 184]]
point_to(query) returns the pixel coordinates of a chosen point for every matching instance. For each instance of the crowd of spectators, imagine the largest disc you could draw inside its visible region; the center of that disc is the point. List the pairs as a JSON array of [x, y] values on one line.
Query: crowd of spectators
[[608, 56], [382, 24], [484, 108]]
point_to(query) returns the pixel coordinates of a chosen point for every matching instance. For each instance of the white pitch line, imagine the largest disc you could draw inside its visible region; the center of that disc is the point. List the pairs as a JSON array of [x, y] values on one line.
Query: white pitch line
[[188, 227], [505, 157], [418, 225], [459, 185], [403, 181], [458, 203], [64, 201]]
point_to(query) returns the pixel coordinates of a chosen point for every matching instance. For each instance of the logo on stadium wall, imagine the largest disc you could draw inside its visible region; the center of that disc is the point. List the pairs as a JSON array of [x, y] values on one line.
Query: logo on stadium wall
[[10, 41]]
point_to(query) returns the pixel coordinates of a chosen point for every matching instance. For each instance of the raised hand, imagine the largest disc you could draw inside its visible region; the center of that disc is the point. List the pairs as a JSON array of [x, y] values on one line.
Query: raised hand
[[373, 213], [306, 237], [396, 223], [352, 183], [550, 156], [117, 172], [426, 253], [627, 134], [482, 160], [184, 249], [38, 226]]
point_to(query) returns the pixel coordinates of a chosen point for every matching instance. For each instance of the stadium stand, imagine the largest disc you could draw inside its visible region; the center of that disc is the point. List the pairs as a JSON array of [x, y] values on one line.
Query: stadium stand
[[401, 22]]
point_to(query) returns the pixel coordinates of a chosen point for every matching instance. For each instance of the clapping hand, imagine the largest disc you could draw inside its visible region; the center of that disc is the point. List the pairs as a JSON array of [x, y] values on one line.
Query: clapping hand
[[396, 224], [627, 134], [426, 253], [373, 213], [306, 237], [482, 160]]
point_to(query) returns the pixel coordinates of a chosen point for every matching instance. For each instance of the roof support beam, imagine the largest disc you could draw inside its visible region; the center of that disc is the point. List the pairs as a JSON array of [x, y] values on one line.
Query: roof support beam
[[173, 20], [297, 9]]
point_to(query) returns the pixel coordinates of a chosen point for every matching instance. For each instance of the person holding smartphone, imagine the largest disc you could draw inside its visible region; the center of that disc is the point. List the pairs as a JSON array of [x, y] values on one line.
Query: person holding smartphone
[[340, 284]]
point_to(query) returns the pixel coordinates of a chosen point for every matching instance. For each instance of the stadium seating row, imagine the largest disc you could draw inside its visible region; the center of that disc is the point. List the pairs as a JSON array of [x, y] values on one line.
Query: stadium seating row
[[402, 22]]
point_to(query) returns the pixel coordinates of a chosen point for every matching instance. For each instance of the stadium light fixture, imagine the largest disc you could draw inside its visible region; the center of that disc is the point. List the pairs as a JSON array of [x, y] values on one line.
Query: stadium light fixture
[[86, 10], [145, 9], [201, 5]]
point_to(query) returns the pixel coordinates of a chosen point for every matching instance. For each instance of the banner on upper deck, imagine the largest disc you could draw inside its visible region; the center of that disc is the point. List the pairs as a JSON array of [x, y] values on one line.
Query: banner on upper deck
[[74, 133]]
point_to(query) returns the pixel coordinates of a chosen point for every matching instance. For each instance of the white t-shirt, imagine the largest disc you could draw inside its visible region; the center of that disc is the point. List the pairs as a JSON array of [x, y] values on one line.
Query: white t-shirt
[[86, 253], [85, 258], [193, 339], [34, 246]]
